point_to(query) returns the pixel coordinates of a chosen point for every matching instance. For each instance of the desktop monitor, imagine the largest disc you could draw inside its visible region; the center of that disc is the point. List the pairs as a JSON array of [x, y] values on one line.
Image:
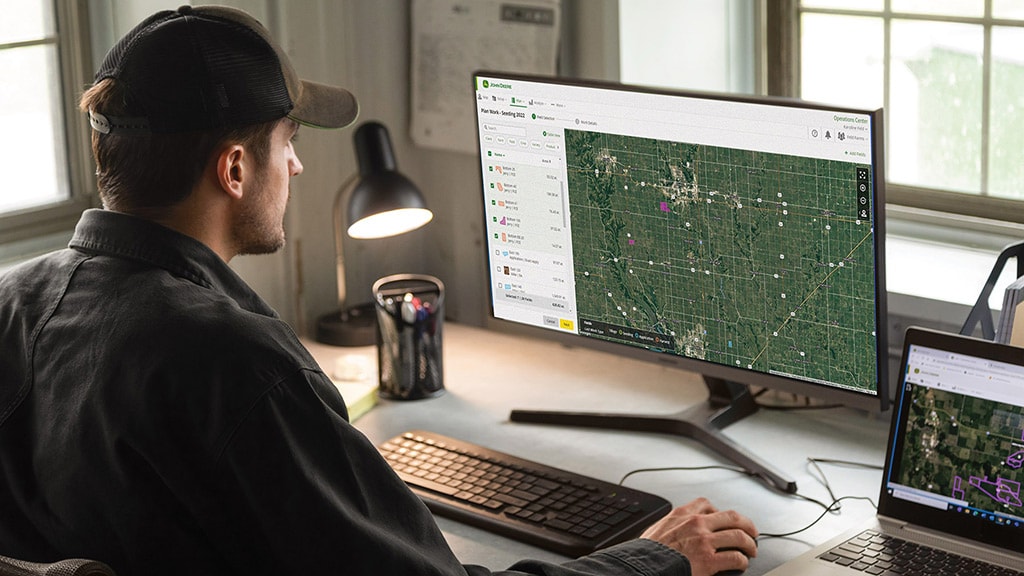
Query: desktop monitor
[[740, 237]]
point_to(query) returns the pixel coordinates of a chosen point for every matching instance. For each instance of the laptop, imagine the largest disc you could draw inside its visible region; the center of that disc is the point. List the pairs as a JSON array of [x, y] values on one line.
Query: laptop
[[953, 480]]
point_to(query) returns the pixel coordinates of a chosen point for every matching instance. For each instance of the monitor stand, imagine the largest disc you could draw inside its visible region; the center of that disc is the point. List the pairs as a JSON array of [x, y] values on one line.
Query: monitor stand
[[727, 403]]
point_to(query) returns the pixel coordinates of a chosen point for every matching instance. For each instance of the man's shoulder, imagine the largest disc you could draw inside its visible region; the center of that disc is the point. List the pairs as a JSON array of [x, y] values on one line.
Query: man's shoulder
[[231, 359], [40, 267], [31, 286], [218, 329]]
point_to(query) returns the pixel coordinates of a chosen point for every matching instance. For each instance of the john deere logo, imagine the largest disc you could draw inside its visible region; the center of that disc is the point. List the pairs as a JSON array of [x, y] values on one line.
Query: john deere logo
[[489, 84]]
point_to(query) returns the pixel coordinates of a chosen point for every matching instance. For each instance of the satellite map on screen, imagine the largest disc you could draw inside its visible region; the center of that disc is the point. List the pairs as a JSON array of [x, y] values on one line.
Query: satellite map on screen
[[751, 259], [966, 448]]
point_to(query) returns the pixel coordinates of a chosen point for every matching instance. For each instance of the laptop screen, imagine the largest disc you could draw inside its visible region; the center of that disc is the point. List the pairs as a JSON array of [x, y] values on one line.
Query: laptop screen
[[956, 455]]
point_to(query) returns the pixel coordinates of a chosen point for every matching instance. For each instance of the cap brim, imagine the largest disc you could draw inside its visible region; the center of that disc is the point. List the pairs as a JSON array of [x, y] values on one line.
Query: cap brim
[[323, 106]]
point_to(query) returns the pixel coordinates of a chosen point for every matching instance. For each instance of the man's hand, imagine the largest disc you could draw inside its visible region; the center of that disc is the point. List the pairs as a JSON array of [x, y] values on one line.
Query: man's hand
[[713, 541]]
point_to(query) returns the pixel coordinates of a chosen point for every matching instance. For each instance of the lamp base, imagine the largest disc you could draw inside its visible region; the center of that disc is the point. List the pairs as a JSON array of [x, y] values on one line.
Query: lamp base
[[355, 326]]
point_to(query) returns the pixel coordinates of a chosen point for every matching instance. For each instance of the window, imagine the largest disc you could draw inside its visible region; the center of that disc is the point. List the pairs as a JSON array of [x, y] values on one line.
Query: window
[[950, 75], [44, 170]]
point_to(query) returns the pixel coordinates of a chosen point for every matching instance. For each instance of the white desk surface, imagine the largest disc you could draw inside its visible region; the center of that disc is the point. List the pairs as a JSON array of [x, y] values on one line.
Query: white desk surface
[[486, 374]]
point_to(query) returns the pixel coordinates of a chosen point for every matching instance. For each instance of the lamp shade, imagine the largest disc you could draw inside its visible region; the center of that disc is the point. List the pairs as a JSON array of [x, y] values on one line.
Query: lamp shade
[[383, 201]]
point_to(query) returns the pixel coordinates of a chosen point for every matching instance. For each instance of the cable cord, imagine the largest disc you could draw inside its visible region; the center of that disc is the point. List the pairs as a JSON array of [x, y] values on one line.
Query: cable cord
[[736, 469], [834, 507]]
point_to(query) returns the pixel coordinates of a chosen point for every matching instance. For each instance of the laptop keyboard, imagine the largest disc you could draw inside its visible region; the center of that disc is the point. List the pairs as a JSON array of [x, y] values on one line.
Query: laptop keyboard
[[879, 554], [545, 506]]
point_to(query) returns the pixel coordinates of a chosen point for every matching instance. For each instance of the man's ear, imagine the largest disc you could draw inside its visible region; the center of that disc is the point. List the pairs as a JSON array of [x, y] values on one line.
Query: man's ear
[[231, 170]]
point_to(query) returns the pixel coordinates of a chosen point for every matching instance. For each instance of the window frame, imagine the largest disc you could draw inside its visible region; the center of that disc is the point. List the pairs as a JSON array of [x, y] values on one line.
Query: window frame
[[782, 78], [74, 69]]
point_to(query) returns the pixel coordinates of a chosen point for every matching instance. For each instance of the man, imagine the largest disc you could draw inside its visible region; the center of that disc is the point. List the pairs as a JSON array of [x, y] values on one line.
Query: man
[[155, 414]]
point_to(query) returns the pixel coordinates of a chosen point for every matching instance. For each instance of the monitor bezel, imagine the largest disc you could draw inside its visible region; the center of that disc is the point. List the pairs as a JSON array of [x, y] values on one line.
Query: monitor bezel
[[878, 402]]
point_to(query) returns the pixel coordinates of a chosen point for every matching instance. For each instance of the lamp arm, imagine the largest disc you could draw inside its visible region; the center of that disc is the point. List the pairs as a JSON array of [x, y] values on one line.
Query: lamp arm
[[339, 233]]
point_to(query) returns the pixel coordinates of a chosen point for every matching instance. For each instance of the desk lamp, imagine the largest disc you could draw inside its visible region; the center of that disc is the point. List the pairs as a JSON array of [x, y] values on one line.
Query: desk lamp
[[382, 203]]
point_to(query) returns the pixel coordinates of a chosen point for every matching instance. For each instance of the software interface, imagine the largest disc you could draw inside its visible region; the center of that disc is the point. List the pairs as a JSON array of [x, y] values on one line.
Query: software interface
[[737, 233], [963, 449]]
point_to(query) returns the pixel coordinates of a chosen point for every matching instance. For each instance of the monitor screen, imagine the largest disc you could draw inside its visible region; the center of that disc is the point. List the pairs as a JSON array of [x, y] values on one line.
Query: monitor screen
[[739, 236]]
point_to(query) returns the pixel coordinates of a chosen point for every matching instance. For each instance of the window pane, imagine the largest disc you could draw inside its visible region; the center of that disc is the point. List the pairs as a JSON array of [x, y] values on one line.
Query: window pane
[[24, 20], [832, 46], [32, 156], [935, 103], [974, 8], [872, 5], [1007, 9], [657, 40], [1006, 134]]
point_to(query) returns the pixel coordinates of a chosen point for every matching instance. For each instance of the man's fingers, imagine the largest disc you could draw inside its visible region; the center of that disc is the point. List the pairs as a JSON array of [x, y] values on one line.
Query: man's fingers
[[731, 519], [698, 506]]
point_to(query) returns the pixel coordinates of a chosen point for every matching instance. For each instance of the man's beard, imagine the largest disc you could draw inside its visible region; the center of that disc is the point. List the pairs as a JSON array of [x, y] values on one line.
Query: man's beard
[[254, 230]]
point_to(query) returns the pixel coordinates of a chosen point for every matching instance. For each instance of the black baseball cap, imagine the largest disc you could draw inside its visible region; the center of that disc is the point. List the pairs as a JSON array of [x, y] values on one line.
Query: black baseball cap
[[212, 67]]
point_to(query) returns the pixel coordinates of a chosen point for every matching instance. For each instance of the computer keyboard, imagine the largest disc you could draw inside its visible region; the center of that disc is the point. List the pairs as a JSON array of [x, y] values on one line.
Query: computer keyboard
[[875, 553], [528, 501]]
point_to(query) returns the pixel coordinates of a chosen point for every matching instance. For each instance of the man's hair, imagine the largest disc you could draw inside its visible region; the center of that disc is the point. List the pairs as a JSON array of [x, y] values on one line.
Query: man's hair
[[143, 173]]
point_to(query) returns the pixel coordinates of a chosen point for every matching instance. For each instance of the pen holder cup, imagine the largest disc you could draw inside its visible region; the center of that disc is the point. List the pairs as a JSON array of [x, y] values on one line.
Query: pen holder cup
[[410, 315]]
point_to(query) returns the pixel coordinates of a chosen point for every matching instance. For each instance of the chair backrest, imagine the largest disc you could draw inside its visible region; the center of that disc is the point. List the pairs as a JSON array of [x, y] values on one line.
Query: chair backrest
[[72, 567], [980, 313]]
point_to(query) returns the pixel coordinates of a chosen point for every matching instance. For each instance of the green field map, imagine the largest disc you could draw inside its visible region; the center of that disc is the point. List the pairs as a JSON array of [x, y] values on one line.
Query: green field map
[[970, 449], [742, 258]]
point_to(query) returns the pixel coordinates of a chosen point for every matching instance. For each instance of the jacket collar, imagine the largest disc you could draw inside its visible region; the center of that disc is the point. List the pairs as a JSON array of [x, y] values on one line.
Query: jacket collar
[[120, 235]]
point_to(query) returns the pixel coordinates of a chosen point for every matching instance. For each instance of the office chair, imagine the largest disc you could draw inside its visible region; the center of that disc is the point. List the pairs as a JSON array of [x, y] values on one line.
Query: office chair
[[980, 312], [74, 567]]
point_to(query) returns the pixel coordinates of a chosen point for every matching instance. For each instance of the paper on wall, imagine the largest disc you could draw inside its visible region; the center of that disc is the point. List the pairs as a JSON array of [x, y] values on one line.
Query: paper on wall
[[452, 39]]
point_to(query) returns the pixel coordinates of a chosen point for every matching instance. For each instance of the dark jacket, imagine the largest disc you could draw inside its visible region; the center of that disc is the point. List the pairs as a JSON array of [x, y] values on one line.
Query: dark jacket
[[155, 414]]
